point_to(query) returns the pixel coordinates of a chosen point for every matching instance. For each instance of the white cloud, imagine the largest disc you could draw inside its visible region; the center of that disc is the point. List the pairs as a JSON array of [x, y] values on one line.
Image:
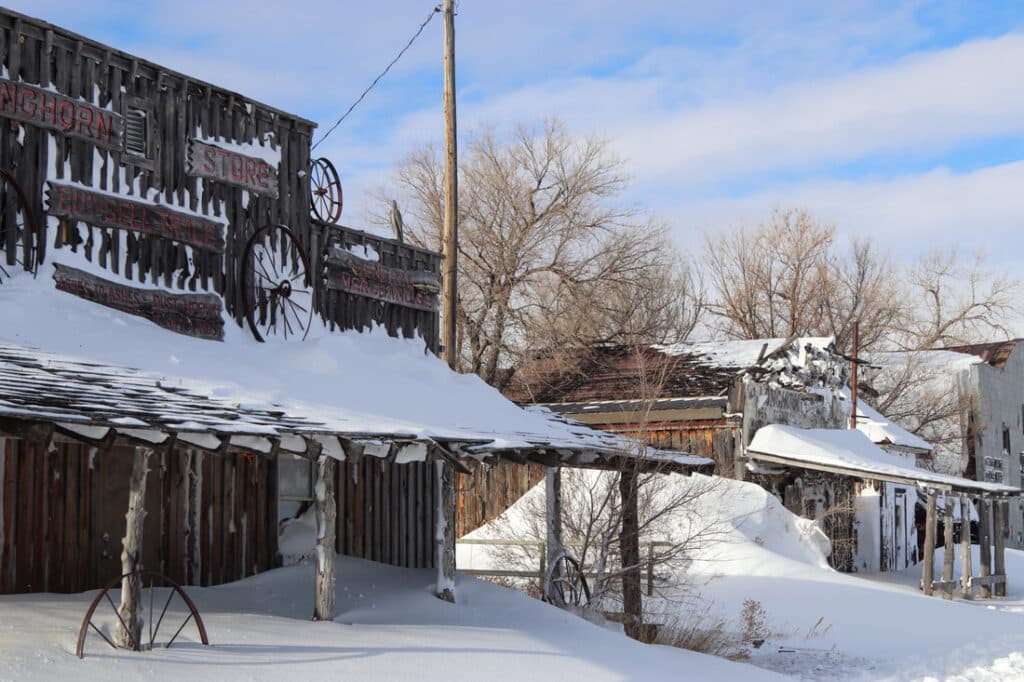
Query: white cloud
[[909, 215]]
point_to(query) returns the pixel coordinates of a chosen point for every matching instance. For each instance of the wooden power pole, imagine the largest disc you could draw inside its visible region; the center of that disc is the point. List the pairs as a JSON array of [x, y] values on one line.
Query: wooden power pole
[[450, 242], [853, 377]]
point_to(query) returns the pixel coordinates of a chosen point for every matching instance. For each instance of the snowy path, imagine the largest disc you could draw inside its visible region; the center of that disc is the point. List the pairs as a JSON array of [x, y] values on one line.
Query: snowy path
[[389, 627]]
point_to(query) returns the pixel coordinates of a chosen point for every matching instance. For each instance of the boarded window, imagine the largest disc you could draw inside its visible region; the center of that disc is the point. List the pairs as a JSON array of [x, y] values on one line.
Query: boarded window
[[136, 131]]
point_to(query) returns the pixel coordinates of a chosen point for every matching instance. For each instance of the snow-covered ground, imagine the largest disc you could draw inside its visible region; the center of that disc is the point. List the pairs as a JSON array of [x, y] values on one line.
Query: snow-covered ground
[[822, 624], [389, 627]]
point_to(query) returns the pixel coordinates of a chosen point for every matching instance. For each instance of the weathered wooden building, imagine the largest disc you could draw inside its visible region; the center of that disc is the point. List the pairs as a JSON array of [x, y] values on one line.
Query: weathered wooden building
[[712, 399], [153, 229]]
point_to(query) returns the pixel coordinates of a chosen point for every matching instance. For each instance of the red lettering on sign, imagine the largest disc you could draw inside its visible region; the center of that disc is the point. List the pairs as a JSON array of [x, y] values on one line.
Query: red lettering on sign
[[49, 106], [67, 115], [27, 102], [85, 121], [209, 162]]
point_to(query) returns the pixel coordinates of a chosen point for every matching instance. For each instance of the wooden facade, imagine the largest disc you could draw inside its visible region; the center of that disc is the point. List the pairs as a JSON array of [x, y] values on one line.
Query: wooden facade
[[211, 519], [139, 188]]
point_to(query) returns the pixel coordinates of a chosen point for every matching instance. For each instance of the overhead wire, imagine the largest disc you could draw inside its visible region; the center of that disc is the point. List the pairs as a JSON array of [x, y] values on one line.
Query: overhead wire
[[435, 10]]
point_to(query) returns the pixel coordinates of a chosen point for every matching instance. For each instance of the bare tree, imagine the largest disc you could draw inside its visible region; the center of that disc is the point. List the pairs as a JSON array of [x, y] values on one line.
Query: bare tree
[[547, 257], [957, 303], [787, 278]]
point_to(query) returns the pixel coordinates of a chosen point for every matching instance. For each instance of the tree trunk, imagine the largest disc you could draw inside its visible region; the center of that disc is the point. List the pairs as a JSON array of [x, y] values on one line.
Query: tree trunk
[[129, 629], [553, 573], [984, 546], [928, 570], [999, 541], [965, 547], [326, 538], [948, 553], [444, 531], [629, 550]]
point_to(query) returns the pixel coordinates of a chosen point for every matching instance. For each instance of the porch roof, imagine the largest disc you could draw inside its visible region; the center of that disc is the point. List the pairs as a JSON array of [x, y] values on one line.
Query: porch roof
[[849, 452]]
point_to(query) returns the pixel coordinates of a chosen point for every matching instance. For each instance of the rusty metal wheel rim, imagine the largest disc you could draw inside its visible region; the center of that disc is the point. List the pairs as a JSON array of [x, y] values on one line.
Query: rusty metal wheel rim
[[277, 284], [325, 191], [88, 621], [29, 254]]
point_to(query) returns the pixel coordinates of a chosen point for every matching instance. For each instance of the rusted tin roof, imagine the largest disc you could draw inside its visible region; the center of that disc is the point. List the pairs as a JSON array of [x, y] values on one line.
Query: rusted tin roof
[[995, 353]]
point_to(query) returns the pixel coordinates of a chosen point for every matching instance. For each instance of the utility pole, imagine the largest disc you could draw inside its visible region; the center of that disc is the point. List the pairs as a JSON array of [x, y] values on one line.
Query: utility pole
[[450, 242], [853, 371]]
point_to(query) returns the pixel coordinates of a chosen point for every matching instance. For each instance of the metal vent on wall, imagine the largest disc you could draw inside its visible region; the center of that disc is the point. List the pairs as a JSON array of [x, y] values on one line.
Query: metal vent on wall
[[135, 131]]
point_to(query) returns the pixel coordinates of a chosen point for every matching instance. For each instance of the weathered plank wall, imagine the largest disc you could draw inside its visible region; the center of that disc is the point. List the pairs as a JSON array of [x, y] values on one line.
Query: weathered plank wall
[[386, 511], [350, 311], [211, 519], [178, 108], [490, 490]]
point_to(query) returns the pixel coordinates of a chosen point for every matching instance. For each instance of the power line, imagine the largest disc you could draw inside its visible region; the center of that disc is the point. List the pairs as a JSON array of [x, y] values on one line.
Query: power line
[[437, 8]]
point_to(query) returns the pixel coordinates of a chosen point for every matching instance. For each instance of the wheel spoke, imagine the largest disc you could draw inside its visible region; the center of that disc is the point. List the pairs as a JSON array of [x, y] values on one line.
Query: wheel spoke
[[166, 604], [101, 634], [182, 627]]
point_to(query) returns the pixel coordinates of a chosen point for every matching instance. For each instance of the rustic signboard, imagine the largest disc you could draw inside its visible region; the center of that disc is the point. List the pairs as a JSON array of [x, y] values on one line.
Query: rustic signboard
[[107, 210], [411, 288], [196, 315], [231, 167], [67, 115]]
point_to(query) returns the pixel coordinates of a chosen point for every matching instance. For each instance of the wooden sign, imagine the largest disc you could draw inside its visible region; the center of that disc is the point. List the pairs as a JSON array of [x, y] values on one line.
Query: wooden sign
[[67, 115], [106, 210], [196, 315], [231, 167], [410, 288]]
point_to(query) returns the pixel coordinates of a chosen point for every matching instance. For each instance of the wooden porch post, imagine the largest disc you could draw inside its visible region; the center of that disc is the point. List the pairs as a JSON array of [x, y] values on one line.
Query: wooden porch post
[[444, 530], [1000, 545], [629, 551], [552, 571], [948, 552], [326, 537], [928, 570], [129, 629], [984, 546], [965, 546]]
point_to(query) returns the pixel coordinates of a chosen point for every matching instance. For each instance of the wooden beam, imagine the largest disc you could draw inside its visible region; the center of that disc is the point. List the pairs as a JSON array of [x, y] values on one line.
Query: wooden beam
[[444, 530], [948, 553], [629, 551], [845, 471], [965, 547], [999, 541], [928, 570], [984, 547], [129, 629], [326, 537], [551, 584]]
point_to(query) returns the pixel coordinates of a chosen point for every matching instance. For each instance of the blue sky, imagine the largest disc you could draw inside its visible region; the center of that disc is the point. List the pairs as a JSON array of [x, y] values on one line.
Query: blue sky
[[903, 121]]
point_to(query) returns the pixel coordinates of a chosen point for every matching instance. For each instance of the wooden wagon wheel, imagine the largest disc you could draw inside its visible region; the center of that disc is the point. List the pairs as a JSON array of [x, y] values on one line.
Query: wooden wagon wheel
[[325, 191], [19, 235], [566, 582], [105, 622], [277, 284]]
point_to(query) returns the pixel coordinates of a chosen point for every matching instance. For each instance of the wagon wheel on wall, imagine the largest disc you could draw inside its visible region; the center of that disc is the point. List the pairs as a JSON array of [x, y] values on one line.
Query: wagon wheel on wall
[[325, 191], [277, 284], [166, 611], [20, 238], [566, 583]]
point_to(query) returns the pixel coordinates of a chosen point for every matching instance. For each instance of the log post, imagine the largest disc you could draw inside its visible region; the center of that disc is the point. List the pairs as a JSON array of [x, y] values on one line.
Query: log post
[[928, 569], [444, 530], [326, 537], [552, 572], [984, 546], [129, 629], [629, 551], [948, 551], [965, 547], [999, 541]]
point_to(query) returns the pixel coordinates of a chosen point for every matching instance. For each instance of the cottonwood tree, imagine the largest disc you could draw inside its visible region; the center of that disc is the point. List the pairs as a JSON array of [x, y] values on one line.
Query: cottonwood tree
[[548, 255], [956, 302], [787, 278]]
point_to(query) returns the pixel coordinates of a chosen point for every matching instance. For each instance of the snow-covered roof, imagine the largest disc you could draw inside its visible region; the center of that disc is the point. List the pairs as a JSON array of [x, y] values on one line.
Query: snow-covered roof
[[91, 369], [882, 430], [850, 452]]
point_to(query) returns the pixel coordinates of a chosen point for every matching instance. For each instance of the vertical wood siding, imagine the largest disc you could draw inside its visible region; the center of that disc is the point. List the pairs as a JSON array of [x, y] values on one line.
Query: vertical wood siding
[[386, 512], [62, 517]]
